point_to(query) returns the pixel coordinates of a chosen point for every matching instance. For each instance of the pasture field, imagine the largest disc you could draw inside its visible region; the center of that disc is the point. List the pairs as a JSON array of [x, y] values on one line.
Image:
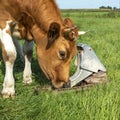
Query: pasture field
[[101, 102]]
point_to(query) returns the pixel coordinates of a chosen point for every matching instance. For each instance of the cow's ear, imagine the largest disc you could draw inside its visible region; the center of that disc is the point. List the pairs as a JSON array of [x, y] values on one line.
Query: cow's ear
[[68, 22], [53, 34]]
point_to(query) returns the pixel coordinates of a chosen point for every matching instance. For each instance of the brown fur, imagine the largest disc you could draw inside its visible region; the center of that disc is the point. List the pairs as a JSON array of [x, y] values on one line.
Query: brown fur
[[42, 21]]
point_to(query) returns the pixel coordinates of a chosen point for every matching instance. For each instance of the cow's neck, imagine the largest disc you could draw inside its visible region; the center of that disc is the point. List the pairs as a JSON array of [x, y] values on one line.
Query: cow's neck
[[45, 13], [40, 37]]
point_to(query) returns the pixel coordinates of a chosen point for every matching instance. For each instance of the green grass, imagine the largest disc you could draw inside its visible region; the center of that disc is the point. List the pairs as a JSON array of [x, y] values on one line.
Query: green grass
[[101, 102]]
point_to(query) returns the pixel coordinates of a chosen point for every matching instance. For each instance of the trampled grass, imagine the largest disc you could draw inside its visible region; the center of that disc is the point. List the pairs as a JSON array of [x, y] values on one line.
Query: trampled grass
[[101, 102]]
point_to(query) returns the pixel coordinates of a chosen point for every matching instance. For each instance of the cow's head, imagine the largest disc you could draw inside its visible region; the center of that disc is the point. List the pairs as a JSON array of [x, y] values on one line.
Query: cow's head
[[60, 48], [55, 50]]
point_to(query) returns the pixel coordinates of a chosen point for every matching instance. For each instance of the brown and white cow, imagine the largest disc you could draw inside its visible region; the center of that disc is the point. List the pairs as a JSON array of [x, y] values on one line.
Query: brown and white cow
[[39, 21]]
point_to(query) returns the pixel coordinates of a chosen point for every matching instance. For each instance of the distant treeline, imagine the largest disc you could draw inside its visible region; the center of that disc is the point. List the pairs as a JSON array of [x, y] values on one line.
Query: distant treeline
[[102, 9], [109, 7]]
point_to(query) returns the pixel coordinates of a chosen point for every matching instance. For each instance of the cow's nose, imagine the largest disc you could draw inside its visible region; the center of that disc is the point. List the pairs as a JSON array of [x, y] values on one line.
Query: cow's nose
[[66, 85]]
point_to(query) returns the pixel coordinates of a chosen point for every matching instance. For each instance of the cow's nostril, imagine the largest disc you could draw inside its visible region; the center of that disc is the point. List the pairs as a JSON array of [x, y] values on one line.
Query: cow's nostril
[[66, 85], [53, 87]]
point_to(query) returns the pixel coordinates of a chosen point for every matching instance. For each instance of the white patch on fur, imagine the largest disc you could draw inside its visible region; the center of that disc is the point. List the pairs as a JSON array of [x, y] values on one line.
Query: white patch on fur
[[6, 39], [8, 85], [27, 75]]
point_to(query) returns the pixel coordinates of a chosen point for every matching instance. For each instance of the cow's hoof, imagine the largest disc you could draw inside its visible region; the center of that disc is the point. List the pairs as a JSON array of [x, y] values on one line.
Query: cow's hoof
[[8, 96], [8, 92], [27, 81], [5, 95]]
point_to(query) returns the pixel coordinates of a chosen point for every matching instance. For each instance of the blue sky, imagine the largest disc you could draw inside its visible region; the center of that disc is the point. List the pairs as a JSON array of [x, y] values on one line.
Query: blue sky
[[74, 4]]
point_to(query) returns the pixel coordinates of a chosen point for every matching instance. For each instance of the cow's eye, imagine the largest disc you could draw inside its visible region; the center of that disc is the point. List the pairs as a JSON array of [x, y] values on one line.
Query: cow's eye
[[62, 54]]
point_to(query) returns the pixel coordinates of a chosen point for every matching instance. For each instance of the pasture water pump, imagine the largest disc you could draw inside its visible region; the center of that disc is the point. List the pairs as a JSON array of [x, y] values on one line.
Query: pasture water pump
[[89, 67]]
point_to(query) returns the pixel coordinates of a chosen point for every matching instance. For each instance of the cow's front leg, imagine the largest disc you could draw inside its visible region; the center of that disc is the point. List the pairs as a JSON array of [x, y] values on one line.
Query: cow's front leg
[[9, 56], [28, 50]]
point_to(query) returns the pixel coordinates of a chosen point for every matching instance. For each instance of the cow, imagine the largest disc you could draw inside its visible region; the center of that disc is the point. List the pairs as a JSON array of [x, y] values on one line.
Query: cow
[[37, 21]]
